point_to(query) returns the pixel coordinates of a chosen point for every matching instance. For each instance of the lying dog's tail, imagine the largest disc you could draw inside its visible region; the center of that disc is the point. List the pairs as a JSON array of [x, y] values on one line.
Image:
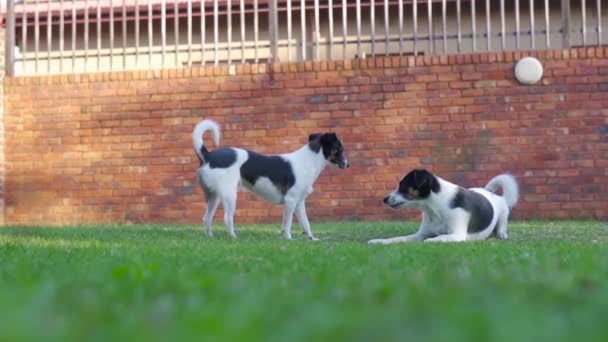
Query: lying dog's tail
[[510, 190], [197, 137]]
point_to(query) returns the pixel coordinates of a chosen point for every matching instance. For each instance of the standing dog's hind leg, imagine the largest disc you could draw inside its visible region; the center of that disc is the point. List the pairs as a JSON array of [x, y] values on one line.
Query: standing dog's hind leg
[[212, 203], [229, 204]]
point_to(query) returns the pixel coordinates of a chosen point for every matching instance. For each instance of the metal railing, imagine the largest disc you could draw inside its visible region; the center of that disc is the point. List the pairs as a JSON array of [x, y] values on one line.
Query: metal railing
[[69, 36]]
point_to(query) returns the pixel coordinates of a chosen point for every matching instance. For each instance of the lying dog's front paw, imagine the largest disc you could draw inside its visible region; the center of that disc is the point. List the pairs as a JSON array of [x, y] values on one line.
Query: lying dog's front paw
[[376, 242]]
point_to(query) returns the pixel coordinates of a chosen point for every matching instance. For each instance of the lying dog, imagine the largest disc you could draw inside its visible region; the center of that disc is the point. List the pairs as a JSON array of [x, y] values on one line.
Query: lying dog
[[450, 212], [284, 179]]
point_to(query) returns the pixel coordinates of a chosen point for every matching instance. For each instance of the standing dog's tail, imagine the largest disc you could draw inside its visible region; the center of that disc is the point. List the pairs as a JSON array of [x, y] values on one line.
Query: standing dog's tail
[[197, 137], [510, 190]]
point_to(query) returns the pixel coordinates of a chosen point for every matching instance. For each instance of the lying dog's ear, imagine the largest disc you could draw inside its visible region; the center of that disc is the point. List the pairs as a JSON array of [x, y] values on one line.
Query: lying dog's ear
[[425, 182], [421, 177]]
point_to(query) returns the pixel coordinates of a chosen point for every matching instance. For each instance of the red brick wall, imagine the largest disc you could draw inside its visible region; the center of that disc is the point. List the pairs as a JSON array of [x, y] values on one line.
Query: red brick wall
[[116, 147]]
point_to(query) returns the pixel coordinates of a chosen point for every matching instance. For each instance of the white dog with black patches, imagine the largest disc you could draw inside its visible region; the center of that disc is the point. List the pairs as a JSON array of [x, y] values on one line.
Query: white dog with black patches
[[283, 179], [451, 213]]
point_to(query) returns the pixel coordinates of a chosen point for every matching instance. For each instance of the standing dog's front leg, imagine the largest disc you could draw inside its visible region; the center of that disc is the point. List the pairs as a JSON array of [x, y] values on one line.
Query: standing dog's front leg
[[301, 214], [287, 219]]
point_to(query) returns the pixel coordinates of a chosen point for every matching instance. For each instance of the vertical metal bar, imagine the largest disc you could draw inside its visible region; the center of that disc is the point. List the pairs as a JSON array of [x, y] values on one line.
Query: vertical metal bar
[[150, 33], [400, 27], [111, 34], [503, 33], [331, 28], [565, 19], [73, 38], [372, 13], [98, 18], [36, 35], [289, 33], [431, 27], [386, 28], [344, 28], [359, 28], [203, 31], [273, 28], [488, 27], [189, 13], [547, 25], [86, 34], [61, 35], [532, 40], [229, 28], [317, 29], [49, 36], [163, 30], [474, 26], [256, 29], [9, 51], [176, 32], [599, 22], [584, 20], [23, 38], [458, 24], [215, 32], [124, 34], [242, 13], [415, 23], [444, 25], [137, 32], [517, 31], [303, 27]]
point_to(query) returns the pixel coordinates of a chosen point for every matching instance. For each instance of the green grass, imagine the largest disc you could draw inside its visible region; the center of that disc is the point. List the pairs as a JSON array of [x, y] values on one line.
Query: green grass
[[549, 282]]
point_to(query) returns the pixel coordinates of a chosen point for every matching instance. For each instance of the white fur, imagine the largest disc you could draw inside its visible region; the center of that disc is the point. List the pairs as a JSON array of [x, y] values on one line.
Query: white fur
[[441, 223], [197, 134], [224, 183]]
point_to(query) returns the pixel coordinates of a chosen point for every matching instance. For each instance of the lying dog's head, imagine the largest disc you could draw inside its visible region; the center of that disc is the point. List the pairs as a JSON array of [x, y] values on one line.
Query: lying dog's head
[[416, 186], [331, 147]]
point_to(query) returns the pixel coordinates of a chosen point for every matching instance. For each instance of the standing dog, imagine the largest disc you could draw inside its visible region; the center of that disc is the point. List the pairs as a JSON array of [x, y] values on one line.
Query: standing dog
[[450, 212], [284, 179]]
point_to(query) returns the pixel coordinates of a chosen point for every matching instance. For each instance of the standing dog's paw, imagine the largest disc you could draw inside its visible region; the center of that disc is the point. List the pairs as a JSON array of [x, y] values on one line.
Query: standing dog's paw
[[376, 242], [502, 235]]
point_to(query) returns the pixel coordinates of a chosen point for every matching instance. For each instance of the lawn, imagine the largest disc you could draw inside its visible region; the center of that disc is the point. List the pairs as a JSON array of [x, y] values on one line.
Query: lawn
[[549, 282]]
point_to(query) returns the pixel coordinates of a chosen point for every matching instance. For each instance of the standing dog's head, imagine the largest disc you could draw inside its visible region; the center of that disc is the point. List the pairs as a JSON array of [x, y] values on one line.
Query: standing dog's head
[[331, 147], [415, 187]]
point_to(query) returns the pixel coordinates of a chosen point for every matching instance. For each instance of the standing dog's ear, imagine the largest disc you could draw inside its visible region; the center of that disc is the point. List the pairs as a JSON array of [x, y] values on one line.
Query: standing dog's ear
[[314, 142], [314, 136]]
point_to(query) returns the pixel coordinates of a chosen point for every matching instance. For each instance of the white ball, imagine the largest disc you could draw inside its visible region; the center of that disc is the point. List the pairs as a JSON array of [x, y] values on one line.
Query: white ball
[[528, 70]]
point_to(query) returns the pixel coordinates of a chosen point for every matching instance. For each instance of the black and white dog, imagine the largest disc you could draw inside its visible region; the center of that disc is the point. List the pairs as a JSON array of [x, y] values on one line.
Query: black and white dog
[[283, 179], [451, 213]]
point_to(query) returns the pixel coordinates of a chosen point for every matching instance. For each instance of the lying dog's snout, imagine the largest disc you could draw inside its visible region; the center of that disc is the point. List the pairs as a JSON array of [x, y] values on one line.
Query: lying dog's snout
[[385, 200], [343, 164]]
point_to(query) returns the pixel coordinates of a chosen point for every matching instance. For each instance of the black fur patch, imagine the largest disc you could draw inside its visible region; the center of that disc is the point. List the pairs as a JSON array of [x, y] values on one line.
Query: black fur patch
[[418, 184], [275, 168], [220, 158], [333, 151], [480, 208]]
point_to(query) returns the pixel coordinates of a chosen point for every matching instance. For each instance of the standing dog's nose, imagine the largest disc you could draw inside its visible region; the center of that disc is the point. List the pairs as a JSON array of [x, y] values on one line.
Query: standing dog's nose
[[386, 200]]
